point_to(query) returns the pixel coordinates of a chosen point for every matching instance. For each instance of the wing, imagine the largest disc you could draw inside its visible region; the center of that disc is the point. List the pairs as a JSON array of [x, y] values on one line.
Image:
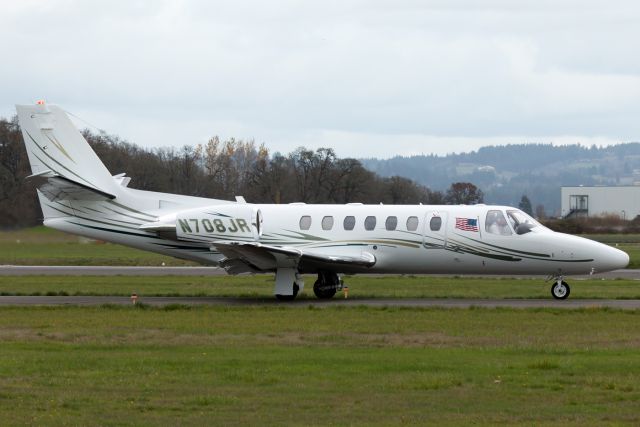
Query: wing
[[252, 257]]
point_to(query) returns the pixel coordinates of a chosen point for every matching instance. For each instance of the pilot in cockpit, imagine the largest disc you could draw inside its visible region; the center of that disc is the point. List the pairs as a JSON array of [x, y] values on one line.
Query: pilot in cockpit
[[497, 224]]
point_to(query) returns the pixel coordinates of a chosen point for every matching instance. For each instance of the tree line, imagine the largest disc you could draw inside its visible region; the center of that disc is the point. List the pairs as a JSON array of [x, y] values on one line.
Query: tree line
[[222, 169], [506, 172]]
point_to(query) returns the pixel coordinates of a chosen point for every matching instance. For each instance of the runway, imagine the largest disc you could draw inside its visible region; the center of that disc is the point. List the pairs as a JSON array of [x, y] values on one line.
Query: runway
[[75, 270], [301, 303], [9, 270], [39, 270]]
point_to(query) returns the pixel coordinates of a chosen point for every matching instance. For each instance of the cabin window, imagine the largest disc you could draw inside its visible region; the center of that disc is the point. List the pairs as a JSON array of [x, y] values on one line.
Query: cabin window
[[391, 223], [435, 224], [495, 223], [370, 223], [412, 223], [305, 222], [349, 223], [327, 223]]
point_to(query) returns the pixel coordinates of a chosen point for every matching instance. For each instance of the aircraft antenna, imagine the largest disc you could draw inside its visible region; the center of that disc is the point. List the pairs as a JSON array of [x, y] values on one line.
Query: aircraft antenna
[[101, 131]]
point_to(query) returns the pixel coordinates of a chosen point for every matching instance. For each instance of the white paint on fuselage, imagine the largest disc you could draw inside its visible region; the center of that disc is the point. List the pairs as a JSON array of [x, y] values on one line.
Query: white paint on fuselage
[[400, 251], [565, 253]]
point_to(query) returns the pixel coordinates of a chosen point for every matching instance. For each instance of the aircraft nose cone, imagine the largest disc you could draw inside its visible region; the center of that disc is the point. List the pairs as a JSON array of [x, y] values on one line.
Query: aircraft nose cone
[[615, 259], [622, 259]]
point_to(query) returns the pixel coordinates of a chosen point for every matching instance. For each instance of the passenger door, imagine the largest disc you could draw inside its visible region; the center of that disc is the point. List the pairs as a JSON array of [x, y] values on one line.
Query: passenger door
[[435, 230]]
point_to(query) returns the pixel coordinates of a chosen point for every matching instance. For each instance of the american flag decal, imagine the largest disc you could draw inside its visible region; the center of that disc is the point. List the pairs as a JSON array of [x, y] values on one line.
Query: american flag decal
[[467, 224]]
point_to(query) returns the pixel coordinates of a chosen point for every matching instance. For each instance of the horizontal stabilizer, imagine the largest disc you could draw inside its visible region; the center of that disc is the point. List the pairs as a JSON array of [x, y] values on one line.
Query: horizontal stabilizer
[[56, 188]]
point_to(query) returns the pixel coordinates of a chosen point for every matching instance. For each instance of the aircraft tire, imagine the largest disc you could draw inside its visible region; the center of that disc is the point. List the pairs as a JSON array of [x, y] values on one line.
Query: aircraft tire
[[327, 285], [561, 290], [296, 288], [322, 291]]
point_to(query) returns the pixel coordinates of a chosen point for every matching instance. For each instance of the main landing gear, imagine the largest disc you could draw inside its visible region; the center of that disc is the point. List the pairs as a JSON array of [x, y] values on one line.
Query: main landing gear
[[289, 283], [560, 289], [291, 297], [327, 285]]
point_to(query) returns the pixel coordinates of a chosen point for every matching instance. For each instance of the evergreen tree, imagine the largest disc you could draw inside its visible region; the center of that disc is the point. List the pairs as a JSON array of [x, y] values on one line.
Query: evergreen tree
[[525, 205]]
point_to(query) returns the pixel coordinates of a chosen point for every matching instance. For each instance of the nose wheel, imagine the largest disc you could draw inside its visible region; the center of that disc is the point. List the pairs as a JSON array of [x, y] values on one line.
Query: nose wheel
[[560, 289]]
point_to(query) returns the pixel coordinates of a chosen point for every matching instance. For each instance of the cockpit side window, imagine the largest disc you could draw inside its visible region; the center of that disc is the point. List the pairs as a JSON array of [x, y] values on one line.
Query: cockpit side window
[[517, 218], [495, 223], [521, 222]]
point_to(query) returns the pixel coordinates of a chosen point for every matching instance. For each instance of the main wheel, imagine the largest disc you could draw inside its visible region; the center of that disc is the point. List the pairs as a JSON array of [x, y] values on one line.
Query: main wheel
[[324, 289], [296, 288], [560, 290]]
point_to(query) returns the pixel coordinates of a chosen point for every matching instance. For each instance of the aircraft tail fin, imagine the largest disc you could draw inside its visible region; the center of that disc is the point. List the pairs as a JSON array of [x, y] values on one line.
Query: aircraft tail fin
[[57, 150]]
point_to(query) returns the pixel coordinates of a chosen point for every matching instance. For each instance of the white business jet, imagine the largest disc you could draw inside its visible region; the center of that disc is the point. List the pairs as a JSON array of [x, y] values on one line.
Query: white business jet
[[78, 195]]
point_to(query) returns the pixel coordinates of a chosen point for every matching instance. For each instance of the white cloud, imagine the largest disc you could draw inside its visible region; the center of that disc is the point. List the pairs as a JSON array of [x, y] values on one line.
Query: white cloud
[[348, 74]]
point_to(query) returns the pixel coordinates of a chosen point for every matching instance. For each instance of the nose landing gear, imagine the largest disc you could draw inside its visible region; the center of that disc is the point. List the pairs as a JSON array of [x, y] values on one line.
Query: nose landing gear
[[560, 289]]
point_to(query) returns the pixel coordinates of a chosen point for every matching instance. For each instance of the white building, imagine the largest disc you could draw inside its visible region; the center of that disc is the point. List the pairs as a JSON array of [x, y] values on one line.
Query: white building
[[592, 201]]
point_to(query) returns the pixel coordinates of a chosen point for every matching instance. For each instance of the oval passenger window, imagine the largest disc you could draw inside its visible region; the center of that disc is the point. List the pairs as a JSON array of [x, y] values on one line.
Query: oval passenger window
[[370, 223], [391, 223], [327, 223], [349, 223], [305, 222], [435, 223], [412, 223]]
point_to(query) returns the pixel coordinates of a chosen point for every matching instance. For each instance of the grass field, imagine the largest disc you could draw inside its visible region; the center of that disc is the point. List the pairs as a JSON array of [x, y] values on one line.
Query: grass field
[[43, 246], [304, 366], [261, 286]]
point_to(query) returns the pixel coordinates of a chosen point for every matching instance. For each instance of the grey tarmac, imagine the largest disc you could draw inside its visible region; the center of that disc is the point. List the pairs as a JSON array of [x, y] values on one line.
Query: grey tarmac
[[354, 302], [72, 270]]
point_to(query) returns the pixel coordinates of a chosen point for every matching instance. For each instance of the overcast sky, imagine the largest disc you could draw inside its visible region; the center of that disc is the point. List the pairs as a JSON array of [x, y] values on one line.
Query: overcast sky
[[368, 78]]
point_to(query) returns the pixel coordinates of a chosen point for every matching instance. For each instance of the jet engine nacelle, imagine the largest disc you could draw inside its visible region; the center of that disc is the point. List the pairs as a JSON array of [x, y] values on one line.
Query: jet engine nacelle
[[240, 222]]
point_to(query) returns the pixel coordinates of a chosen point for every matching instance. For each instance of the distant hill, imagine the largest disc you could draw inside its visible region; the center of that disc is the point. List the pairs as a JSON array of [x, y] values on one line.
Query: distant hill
[[505, 173]]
